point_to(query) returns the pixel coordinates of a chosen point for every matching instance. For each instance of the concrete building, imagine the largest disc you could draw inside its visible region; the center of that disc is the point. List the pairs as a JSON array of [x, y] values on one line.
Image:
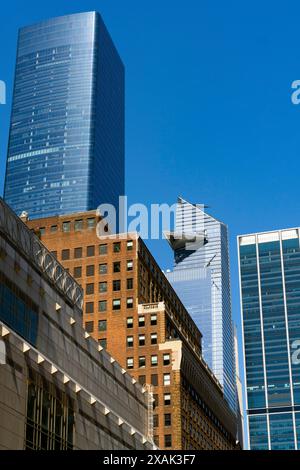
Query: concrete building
[[59, 389], [131, 309]]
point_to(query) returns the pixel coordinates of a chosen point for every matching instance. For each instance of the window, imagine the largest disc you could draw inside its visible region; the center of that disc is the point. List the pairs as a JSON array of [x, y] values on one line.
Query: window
[[102, 249], [168, 419], [102, 325], [153, 320], [103, 343], [117, 304], [89, 326], [142, 379], [129, 302], [154, 361], [168, 440], [141, 321], [77, 272], [117, 267], [90, 250], [90, 270], [65, 254], [102, 287], [155, 421], [78, 253], [78, 225], [130, 245], [42, 230], [117, 247], [154, 380], [142, 340], [89, 289], [130, 341], [167, 359], [130, 363], [155, 401], [167, 379], [116, 285], [142, 361], [102, 306], [91, 223], [129, 322], [153, 338], [53, 228], [66, 226], [129, 283], [89, 307], [102, 268], [167, 399], [129, 265]]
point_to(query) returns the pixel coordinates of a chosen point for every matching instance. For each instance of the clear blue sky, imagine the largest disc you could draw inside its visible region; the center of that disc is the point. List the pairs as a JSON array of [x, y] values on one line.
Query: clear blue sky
[[208, 108]]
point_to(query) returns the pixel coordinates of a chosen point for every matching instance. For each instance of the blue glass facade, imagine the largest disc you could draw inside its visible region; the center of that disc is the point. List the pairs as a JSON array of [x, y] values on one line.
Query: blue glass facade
[[201, 278], [270, 300], [66, 142]]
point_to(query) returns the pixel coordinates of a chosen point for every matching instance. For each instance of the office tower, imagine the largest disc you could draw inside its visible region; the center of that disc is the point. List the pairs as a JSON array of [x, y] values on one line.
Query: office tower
[[58, 388], [201, 278], [239, 392], [269, 265], [66, 141], [133, 312]]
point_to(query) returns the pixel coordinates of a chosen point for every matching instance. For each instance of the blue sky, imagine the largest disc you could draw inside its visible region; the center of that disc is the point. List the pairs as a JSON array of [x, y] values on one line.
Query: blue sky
[[208, 105]]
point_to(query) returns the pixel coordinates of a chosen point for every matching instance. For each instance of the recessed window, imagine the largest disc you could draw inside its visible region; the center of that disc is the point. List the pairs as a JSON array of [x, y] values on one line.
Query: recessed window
[[167, 359], [77, 272], [103, 249], [102, 287], [117, 247], [154, 361], [155, 400], [89, 289], [102, 268], [102, 325], [167, 399], [130, 245], [102, 306], [78, 225], [65, 254], [168, 440], [90, 270], [154, 380], [42, 230], [129, 265], [153, 338], [129, 322], [53, 228], [155, 421], [130, 341], [142, 379], [130, 363], [89, 307], [141, 321], [90, 250], [153, 320], [117, 267], [129, 283], [142, 340], [142, 361], [78, 253], [116, 285], [129, 302], [103, 343], [117, 304], [91, 223], [66, 226], [89, 326], [168, 419], [167, 379]]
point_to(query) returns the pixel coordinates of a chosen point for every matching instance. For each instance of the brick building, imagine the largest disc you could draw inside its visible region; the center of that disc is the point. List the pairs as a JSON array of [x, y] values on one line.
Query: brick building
[[133, 311]]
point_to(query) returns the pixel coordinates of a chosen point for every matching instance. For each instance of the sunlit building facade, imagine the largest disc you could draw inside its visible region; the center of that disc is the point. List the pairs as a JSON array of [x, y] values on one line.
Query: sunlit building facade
[[269, 266]]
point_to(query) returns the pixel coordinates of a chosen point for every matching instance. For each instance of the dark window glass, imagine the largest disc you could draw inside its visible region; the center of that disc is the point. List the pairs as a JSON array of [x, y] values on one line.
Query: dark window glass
[[102, 268], [155, 400], [130, 283], [142, 361], [117, 267], [130, 341], [167, 399], [117, 304], [89, 307], [89, 289], [66, 226], [103, 343], [154, 338], [102, 287], [155, 421], [168, 419], [53, 228], [154, 380], [77, 272], [90, 270], [102, 306], [168, 440], [142, 379], [142, 340], [153, 320], [102, 249], [129, 322], [117, 247], [116, 285], [78, 253], [141, 321], [130, 245], [102, 325], [65, 254], [90, 251], [78, 225], [89, 326]]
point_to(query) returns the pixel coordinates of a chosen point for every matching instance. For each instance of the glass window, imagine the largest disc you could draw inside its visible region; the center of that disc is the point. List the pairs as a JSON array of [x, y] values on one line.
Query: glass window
[[77, 272], [65, 254], [103, 343], [153, 320], [102, 268], [103, 249], [129, 322], [78, 253], [142, 361], [117, 247], [117, 304], [167, 399], [141, 321], [89, 307], [155, 421], [167, 379], [66, 226], [102, 287], [130, 245], [142, 340], [130, 302], [154, 380], [78, 225], [155, 400], [154, 361], [130, 363], [142, 379], [117, 267], [129, 283], [89, 289], [129, 265], [168, 440], [102, 325], [153, 338], [90, 270], [53, 228], [116, 285], [102, 306], [89, 326], [167, 360], [130, 341], [91, 223], [90, 250], [42, 230], [168, 419]]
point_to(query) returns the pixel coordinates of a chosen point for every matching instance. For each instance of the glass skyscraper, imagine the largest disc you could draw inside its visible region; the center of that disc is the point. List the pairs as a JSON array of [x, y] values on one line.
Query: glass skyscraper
[[66, 141], [201, 278], [269, 266]]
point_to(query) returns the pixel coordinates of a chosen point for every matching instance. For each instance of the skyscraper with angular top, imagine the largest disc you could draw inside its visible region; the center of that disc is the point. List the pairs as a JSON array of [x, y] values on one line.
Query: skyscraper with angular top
[[66, 140]]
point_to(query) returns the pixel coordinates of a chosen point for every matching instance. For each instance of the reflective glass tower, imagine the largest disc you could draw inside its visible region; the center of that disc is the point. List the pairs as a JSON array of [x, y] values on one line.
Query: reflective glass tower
[[201, 278], [66, 141], [269, 266]]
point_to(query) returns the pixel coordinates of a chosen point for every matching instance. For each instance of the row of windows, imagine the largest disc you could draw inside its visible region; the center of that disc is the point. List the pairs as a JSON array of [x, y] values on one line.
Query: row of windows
[[141, 340], [102, 326], [91, 250], [167, 420], [102, 305], [66, 226], [153, 359], [102, 269], [167, 396], [167, 440], [103, 286], [142, 321]]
